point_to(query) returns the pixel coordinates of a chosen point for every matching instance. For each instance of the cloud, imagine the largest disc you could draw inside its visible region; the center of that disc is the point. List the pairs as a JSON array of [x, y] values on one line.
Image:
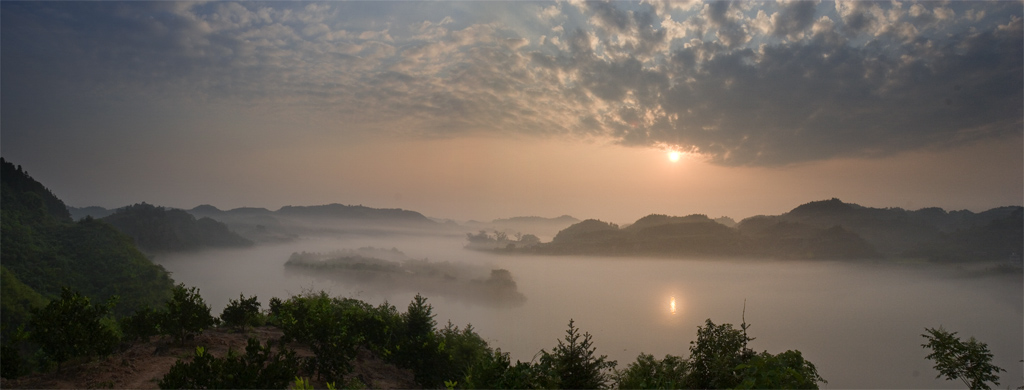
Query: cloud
[[741, 83], [795, 17]]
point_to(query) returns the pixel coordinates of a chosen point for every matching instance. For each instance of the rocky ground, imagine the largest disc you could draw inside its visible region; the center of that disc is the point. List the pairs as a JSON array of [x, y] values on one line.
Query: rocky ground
[[143, 364]]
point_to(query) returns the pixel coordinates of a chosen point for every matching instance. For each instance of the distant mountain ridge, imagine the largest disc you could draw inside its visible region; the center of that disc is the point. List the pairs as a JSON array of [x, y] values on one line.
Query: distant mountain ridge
[[827, 229], [263, 225], [161, 229], [895, 231], [340, 211], [532, 219]]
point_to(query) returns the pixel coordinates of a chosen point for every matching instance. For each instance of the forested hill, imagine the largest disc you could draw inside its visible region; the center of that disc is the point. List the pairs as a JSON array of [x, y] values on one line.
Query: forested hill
[[159, 229], [43, 249], [933, 233], [823, 229], [360, 212]]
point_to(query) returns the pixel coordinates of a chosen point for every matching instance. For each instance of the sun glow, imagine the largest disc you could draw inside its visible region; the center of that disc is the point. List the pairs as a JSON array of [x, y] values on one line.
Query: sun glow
[[672, 305], [674, 156]]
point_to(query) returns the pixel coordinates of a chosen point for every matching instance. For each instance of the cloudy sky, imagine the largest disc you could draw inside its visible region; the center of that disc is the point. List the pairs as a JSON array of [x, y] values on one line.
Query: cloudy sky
[[481, 110]]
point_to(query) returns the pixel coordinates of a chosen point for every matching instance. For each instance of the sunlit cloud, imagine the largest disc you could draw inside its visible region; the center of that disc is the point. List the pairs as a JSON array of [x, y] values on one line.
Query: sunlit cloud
[[745, 83]]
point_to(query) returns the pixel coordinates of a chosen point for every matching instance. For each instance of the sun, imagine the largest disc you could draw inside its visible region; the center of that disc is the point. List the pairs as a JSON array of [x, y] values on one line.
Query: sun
[[674, 156]]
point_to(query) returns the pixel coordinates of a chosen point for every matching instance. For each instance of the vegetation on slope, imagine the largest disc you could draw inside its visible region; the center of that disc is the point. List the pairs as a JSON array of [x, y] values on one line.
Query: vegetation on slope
[[43, 250], [335, 331], [159, 229], [829, 229]]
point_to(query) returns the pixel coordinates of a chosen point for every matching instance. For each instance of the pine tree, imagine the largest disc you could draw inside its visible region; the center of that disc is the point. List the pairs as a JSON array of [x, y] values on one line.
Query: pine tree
[[573, 364]]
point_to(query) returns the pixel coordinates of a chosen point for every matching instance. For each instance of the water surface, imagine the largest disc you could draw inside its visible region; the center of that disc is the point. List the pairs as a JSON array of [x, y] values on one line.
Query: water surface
[[860, 323]]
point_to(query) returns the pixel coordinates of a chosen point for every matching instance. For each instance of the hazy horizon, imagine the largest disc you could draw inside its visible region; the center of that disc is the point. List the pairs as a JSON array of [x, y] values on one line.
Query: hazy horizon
[[484, 110]]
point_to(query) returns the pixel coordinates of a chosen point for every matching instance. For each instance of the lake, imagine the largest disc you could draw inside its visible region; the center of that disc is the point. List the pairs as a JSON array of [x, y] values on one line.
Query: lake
[[859, 323]]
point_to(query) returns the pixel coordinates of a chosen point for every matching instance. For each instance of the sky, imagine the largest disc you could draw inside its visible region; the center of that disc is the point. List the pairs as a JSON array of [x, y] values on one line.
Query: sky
[[483, 110]]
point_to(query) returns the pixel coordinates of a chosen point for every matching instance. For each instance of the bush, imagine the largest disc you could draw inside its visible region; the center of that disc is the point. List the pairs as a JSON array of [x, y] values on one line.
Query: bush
[[187, 314], [13, 365], [650, 373], [71, 327], [259, 368], [787, 370], [242, 313], [142, 325], [459, 350], [495, 371], [319, 321], [719, 358]]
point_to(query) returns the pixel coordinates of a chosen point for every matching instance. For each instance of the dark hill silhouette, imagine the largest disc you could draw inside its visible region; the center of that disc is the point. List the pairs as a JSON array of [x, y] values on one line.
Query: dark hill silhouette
[[698, 235], [827, 229], [892, 231], [1001, 238], [660, 219], [205, 209], [27, 194], [587, 230], [533, 219], [161, 229], [340, 211], [91, 211]]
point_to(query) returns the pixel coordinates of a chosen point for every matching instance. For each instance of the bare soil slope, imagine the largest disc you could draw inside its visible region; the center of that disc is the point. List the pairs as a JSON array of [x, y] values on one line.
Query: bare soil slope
[[142, 365]]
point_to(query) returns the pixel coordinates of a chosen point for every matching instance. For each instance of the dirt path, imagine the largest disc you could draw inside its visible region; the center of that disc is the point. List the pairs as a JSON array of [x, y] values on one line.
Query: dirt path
[[143, 364]]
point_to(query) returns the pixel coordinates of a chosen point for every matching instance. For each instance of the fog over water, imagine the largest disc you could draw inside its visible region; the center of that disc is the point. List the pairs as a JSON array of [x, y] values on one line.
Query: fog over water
[[860, 323]]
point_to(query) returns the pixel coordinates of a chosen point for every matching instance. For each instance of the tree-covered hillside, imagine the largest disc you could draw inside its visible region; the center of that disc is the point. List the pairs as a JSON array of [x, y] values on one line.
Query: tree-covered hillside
[[698, 235], [827, 229], [42, 249], [161, 229]]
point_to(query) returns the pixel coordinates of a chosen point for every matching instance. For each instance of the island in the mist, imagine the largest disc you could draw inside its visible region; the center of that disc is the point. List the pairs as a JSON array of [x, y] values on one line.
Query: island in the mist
[[827, 229], [369, 266]]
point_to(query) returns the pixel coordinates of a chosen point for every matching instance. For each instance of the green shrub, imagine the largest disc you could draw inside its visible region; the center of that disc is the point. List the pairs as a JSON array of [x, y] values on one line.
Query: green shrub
[[142, 325], [186, 315], [242, 313], [715, 356], [319, 321], [495, 371], [459, 350], [650, 373], [787, 370], [71, 327], [259, 368]]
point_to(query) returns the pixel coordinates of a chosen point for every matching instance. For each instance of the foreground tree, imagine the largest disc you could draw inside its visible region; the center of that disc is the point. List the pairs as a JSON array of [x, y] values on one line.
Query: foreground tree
[[71, 327], [573, 364], [716, 354], [647, 372], [719, 358], [787, 370], [187, 314], [968, 361], [323, 324], [242, 313], [419, 348]]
